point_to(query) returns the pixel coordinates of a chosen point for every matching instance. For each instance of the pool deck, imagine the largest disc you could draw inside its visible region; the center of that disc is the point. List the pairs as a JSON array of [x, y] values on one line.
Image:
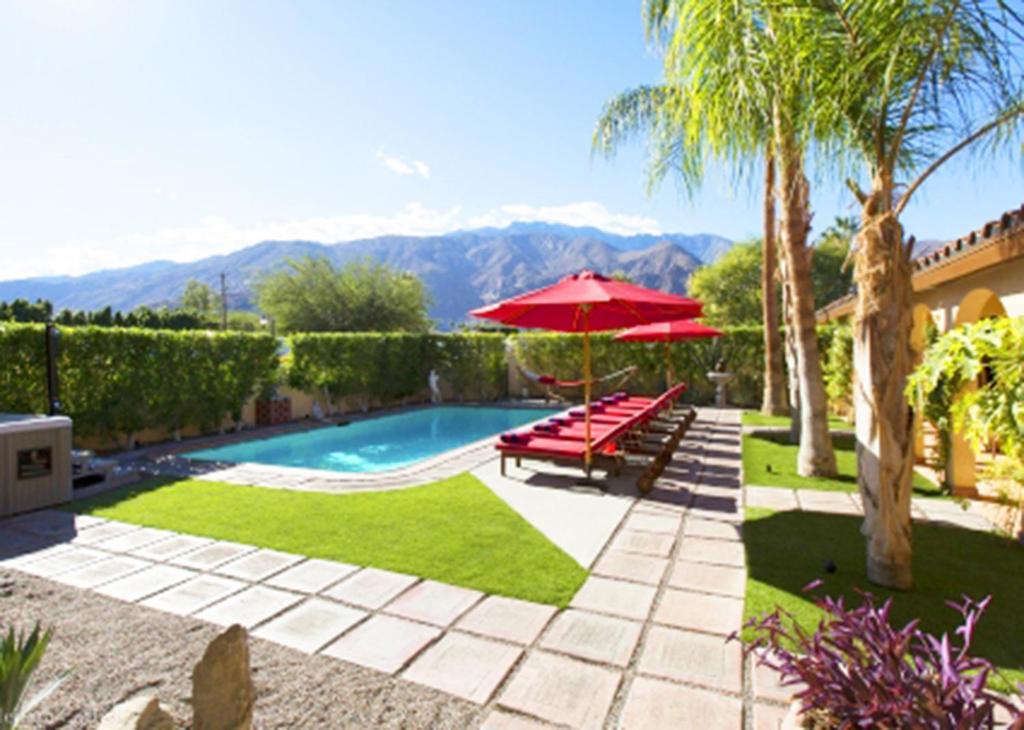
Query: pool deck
[[643, 644]]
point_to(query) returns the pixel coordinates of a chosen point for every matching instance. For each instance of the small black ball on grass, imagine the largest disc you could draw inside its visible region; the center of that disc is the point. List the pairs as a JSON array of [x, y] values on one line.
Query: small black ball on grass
[[829, 566], [768, 468]]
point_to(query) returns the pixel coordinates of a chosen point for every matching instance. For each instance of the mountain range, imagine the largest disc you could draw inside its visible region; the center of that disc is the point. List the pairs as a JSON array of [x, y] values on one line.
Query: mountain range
[[462, 270]]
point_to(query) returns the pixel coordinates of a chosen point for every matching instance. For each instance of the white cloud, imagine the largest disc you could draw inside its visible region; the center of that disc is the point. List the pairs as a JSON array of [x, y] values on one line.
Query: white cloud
[[404, 166], [581, 214], [215, 234]]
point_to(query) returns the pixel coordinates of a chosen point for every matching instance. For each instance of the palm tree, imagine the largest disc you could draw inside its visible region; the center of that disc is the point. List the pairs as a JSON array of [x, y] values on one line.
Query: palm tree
[[773, 401], [724, 97], [898, 88]]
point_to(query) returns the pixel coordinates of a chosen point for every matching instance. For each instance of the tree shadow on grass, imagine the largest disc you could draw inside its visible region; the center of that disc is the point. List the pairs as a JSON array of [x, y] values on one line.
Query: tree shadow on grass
[[788, 550]]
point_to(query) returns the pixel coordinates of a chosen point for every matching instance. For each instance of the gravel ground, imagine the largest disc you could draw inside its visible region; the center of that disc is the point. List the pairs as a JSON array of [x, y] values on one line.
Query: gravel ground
[[116, 650]]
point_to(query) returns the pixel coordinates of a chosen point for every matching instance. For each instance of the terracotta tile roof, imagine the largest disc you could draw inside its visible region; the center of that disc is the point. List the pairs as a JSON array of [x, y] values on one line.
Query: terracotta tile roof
[[936, 253]]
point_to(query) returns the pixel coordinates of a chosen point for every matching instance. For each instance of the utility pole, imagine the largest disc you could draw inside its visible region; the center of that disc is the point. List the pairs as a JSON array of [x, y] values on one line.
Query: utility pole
[[224, 301]]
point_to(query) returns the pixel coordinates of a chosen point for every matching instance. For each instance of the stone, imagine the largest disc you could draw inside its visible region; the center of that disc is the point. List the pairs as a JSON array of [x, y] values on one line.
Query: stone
[[145, 583], [214, 554], [718, 552], [653, 704], [770, 717], [700, 612], [508, 619], [63, 561], [193, 595], [256, 566], [465, 666], [433, 603], [707, 578], [370, 587], [687, 656], [134, 539], [138, 713], [102, 571], [311, 625], [642, 522], [712, 529], [384, 643], [172, 547], [645, 543], [99, 533], [499, 720], [561, 690], [592, 636], [775, 498], [631, 566], [767, 685], [222, 688], [250, 607], [312, 576], [615, 597]]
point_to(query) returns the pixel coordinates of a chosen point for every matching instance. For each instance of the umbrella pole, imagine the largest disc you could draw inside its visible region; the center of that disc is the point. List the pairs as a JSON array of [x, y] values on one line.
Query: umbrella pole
[[586, 389], [668, 367]]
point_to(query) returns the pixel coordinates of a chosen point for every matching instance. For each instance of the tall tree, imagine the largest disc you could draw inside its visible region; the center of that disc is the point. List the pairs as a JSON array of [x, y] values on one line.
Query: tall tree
[[199, 298], [773, 402], [899, 87], [726, 97]]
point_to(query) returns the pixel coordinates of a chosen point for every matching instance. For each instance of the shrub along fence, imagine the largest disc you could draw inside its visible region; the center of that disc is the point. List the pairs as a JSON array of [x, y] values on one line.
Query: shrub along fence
[[117, 382]]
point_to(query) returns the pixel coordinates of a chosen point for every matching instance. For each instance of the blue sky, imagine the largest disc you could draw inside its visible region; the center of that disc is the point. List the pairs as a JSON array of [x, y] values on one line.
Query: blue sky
[[148, 129]]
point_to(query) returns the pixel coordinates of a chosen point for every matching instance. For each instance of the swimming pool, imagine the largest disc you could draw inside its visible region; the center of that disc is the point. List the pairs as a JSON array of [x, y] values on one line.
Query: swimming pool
[[378, 444]]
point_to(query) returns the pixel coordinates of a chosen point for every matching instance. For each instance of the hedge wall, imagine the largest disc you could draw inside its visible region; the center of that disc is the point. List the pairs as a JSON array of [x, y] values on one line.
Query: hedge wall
[[116, 382], [742, 350], [382, 369]]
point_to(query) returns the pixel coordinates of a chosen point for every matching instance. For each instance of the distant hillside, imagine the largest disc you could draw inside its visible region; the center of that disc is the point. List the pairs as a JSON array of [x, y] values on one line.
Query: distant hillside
[[462, 270]]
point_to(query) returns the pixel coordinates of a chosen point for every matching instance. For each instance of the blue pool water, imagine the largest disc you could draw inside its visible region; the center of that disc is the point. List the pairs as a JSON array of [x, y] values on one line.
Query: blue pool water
[[378, 444]]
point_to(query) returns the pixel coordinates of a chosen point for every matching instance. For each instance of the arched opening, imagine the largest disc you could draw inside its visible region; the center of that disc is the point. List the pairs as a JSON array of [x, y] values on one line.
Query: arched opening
[[976, 305], [921, 326]]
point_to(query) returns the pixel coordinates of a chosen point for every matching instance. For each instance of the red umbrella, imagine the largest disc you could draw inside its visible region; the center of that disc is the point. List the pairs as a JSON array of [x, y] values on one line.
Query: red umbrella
[[679, 329], [588, 302]]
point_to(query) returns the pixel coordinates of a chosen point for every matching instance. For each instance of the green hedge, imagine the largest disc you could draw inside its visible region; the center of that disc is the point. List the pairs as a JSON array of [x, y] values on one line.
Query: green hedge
[[742, 349], [386, 368], [116, 382]]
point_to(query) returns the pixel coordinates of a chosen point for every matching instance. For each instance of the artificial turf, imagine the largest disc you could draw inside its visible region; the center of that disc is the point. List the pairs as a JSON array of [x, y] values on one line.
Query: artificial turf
[[756, 418], [769, 460], [788, 550], [455, 531]]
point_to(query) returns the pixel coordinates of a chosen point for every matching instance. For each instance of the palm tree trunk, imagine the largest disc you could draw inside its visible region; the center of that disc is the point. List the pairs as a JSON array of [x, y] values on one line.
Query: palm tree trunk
[[792, 381], [815, 457], [773, 402], [882, 359]]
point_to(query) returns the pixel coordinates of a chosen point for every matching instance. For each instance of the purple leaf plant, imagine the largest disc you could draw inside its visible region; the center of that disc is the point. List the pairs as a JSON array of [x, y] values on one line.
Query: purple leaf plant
[[858, 671]]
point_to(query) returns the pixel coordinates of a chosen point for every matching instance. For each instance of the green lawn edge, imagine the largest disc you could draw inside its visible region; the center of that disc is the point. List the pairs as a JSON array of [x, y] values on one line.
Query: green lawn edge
[[788, 550], [455, 531], [756, 418]]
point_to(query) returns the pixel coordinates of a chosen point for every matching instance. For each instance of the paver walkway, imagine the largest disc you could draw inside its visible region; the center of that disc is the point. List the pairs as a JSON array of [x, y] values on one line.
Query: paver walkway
[[642, 645]]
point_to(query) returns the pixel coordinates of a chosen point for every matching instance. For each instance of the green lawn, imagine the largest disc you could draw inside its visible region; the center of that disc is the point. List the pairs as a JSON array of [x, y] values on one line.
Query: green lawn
[[756, 418], [456, 531], [786, 551], [770, 461]]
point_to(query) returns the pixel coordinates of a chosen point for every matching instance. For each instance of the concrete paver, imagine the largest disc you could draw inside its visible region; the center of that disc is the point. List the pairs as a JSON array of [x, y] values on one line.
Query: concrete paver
[[134, 539], [101, 571], [508, 619], [146, 582], [370, 587], [646, 543], [771, 498], [465, 666], [193, 595], [718, 552], [687, 656], [700, 612], [768, 717], [631, 566], [707, 578], [615, 597], [171, 548], [310, 625], [384, 643], [63, 561], [654, 704], [259, 565], [592, 636], [501, 720], [561, 690], [434, 603], [99, 533], [712, 529], [642, 522], [311, 576], [214, 554], [249, 607]]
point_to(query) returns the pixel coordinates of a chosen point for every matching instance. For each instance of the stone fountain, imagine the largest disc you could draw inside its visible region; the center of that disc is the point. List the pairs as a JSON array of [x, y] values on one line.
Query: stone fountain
[[720, 378]]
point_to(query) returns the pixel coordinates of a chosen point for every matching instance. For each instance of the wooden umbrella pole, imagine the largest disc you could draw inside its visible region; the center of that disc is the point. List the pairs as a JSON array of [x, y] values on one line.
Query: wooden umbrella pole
[[586, 388]]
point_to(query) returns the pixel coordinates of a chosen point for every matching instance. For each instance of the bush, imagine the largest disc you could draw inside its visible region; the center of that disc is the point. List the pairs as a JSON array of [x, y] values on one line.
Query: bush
[[857, 670], [386, 368], [19, 657], [838, 368], [116, 382]]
